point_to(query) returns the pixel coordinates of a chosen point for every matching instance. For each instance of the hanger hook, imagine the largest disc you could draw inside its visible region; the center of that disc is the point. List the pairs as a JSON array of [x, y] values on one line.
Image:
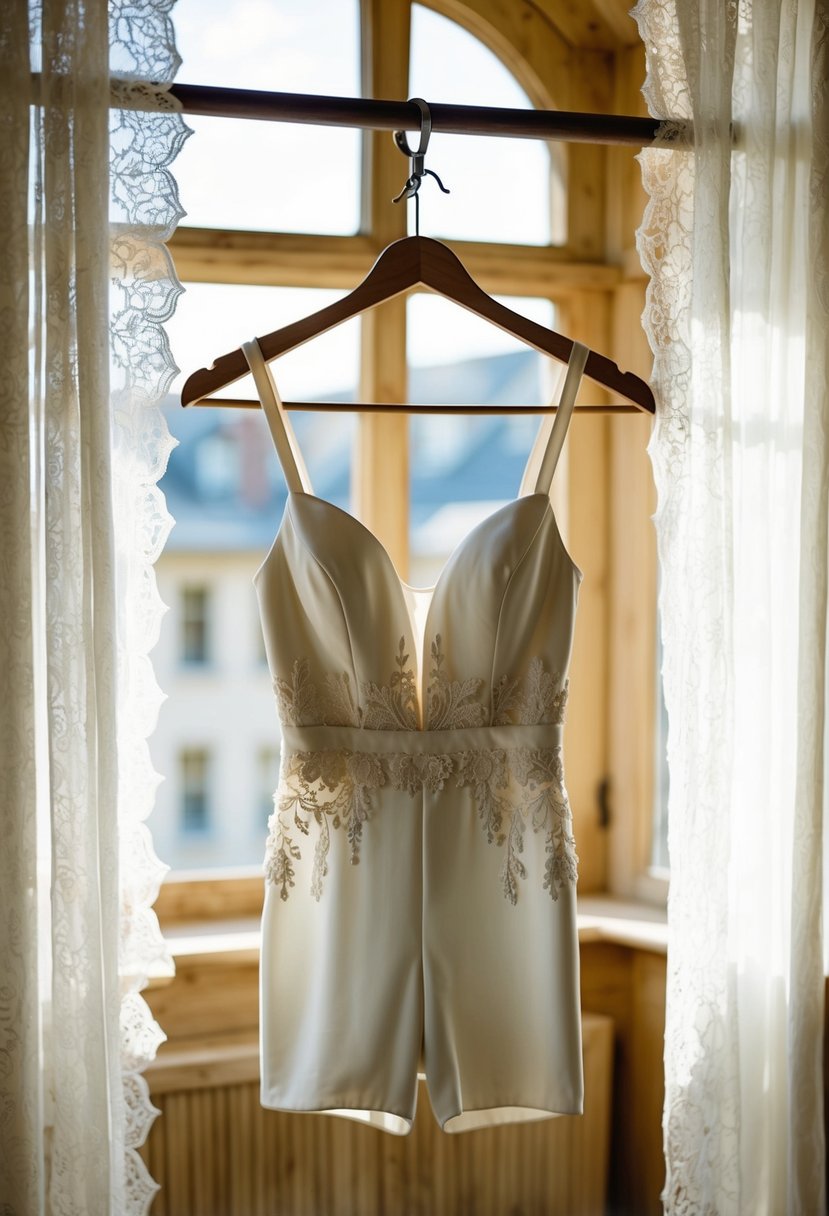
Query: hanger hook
[[417, 157]]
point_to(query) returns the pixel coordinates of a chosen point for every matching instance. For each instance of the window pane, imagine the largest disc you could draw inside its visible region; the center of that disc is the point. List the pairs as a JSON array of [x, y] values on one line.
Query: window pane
[[234, 173], [194, 642], [463, 467], [193, 766], [291, 46], [213, 318], [269, 177], [226, 492], [501, 189]]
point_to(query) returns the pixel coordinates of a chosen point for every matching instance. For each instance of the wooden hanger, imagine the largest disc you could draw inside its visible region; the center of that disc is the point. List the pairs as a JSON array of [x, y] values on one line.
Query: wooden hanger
[[417, 261]]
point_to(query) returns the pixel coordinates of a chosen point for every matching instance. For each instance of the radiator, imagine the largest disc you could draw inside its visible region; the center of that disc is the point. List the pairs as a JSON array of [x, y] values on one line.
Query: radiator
[[216, 1152]]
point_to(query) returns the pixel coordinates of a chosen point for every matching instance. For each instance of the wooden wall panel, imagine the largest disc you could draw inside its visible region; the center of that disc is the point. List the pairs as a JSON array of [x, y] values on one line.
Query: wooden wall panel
[[217, 1152], [629, 986]]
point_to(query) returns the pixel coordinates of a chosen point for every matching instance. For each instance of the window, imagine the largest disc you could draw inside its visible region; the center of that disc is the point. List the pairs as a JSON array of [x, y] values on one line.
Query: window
[[501, 190], [194, 767], [463, 467], [274, 176], [291, 224], [194, 625], [218, 465]]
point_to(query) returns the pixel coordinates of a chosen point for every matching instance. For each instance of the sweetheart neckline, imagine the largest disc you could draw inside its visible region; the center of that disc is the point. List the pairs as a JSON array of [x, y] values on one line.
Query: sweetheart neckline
[[455, 552], [420, 636]]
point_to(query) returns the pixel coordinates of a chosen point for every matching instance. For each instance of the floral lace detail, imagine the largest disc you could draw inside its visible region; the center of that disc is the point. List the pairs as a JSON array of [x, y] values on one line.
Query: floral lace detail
[[540, 697], [514, 788], [451, 703], [302, 703], [296, 699], [392, 706]]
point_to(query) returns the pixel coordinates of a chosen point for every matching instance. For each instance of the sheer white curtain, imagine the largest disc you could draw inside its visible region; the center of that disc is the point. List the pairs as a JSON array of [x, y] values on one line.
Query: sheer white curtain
[[86, 201], [735, 240]]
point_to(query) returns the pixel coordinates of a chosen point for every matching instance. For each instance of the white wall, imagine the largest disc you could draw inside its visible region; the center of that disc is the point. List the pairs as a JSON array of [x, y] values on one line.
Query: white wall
[[226, 706]]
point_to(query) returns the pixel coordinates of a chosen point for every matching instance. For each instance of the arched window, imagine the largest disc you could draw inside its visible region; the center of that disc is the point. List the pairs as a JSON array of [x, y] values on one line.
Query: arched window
[[284, 218], [501, 189]]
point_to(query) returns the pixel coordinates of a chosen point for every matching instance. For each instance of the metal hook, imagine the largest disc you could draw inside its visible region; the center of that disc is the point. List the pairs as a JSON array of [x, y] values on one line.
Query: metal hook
[[418, 156]]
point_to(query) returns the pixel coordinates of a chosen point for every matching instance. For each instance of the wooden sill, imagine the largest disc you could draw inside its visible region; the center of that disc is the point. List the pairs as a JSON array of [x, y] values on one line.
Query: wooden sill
[[623, 922], [600, 919]]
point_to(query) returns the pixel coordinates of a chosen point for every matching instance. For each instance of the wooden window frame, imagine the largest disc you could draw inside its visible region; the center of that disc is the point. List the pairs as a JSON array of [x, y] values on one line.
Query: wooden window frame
[[593, 281]]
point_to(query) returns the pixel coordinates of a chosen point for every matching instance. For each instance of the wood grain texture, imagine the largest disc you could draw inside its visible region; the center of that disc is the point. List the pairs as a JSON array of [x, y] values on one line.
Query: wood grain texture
[[585, 739], [197, 897], [598, 24], [287, 259], [380, 484], [626, 196], [629, 986], [621, 981], [220, 1153], [591, 91]]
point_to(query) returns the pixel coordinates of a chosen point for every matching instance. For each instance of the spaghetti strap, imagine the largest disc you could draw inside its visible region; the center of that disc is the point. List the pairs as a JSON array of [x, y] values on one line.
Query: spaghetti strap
[[543, 458], [287, 449]]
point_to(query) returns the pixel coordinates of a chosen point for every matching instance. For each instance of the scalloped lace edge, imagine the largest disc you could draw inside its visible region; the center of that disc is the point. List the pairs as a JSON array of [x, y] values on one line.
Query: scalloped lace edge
[[149, 132]]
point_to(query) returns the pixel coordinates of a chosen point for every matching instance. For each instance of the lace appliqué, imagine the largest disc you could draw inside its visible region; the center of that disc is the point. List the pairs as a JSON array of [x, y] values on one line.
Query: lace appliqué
[[514, 788], [540, 697], [451, 703], [392, 706]]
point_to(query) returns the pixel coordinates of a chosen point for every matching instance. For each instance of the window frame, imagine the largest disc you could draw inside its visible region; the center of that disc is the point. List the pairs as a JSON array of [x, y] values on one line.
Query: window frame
[[187, 757], [187, 590], [597, 287]]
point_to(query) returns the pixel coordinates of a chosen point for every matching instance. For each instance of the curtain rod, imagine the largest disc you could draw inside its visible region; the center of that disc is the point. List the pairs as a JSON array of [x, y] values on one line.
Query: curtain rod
[[370, 114]]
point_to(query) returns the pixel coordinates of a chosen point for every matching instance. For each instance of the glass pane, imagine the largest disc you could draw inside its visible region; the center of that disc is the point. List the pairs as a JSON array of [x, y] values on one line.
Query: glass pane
[[234, 173], [213, 318], [269, 177], [501, 189], [195, 801], [226, 491], [194, 636], [465, 466]]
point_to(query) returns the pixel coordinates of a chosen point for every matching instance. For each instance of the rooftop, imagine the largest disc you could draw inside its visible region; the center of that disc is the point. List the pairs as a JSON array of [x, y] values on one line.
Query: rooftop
[[226, 492]]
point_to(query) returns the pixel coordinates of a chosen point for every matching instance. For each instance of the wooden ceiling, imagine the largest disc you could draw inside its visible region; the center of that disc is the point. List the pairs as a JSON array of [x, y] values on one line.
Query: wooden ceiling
[[596, 24]]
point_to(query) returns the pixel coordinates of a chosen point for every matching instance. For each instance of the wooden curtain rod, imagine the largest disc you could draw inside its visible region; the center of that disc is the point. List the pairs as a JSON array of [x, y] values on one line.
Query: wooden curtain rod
[[369, 114]]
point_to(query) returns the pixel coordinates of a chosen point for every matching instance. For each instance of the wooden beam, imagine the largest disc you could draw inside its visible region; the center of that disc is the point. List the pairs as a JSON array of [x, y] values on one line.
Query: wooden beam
[[523, 38], [616, 16], [587, 509], [286, 259], [380, 486], [591, 88], [597, 24]]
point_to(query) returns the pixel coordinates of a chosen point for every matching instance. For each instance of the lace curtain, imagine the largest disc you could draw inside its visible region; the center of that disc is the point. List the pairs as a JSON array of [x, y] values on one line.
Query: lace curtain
[[86, 200], [735, 241]]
